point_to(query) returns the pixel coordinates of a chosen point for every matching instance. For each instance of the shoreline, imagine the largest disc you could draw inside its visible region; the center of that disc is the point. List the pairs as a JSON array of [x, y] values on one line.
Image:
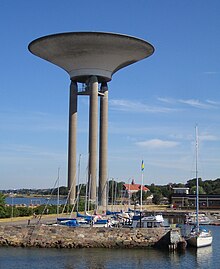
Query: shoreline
[[149, 209], [49, 236]]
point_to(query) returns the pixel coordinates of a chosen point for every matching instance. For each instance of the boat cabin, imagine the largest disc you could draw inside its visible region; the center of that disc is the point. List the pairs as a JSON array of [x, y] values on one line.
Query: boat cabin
[[147, 222]]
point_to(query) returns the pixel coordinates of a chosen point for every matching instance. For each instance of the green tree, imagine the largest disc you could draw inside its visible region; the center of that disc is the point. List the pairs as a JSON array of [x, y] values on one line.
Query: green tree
[[166, 191], [82, 188], [62, 190], [157, 198], [115, 190], [2, 205], [2, 199], [137, 196], [193, 190], [154, 189], [112, 188], [192, 182], [208, 186], [216, 191]]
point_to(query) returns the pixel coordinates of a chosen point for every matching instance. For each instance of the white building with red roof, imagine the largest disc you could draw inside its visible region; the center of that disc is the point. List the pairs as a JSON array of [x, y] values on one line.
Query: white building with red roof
[[133, 188]]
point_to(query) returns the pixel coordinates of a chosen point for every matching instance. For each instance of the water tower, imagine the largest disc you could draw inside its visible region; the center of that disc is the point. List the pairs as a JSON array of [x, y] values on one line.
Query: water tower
[[90, 58]]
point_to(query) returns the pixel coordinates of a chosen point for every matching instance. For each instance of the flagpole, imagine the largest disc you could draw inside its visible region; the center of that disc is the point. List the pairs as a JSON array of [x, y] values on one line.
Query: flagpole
[[141, 188], [142, 182]]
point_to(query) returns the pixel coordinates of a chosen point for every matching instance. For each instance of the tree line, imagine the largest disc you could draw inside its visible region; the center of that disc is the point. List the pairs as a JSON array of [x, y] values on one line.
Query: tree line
[[9, 211], [116, 192], [115, 188]]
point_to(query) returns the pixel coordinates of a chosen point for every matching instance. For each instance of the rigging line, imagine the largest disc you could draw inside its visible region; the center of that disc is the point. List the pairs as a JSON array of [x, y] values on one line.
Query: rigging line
[[48, 199], [76, 199], [68, 195], [77, 206], [197, 180], [34, 227], [103, 189], [89, 192], [86, 184]]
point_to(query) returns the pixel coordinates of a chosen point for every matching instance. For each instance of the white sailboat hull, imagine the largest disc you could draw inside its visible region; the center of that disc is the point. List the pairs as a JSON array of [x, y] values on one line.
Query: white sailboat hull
[[199, 237], [202, 239]]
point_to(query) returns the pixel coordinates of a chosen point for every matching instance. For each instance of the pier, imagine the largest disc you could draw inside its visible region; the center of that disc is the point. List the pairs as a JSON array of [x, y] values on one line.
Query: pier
[[48, 236]]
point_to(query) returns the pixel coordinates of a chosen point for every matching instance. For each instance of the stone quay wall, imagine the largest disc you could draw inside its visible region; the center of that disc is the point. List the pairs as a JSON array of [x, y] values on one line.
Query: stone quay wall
[[67, 237]]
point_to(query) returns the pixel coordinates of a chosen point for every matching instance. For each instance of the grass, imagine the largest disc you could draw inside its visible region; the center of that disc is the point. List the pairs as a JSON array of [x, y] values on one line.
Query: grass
[[145, 207]]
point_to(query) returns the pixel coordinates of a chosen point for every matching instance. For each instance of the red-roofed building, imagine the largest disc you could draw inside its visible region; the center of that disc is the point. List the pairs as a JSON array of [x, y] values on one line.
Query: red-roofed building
[[132, 188]]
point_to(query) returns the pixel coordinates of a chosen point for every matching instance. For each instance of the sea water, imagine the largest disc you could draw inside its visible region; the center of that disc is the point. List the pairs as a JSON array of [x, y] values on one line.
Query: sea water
[[150, 258], [33, 201]]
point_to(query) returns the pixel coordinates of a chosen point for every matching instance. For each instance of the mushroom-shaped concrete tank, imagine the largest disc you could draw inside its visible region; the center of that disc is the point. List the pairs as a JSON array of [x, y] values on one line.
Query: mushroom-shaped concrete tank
[[83, 54], [91, 58]]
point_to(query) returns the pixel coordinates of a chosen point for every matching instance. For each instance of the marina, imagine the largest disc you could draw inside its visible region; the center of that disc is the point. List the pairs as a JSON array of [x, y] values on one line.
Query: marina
[[107, 95], [151, 258], [120, 230]]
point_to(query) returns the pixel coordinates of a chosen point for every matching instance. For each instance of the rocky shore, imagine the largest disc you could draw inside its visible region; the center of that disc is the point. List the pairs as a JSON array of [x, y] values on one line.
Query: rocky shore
[[47, 236]]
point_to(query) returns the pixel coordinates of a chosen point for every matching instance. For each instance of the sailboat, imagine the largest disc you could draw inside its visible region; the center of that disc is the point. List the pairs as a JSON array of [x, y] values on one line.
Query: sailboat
[[199, 237]]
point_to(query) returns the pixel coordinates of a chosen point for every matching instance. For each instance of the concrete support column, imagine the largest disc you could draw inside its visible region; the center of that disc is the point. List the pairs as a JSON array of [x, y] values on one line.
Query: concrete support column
[[93, 136], [103, 145], [72, 142]]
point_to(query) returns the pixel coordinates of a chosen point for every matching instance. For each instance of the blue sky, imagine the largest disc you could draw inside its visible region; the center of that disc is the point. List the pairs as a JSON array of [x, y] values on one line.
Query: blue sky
[[153, 104]]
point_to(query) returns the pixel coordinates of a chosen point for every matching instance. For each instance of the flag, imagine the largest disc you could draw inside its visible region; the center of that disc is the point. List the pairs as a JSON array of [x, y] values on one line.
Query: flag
[[142, 165]]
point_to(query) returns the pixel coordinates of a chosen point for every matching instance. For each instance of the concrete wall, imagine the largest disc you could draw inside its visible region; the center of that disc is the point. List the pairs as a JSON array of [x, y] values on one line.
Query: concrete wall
[[66, 237]]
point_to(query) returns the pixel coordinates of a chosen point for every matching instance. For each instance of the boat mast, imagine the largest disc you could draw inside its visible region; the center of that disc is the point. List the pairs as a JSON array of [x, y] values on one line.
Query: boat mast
[[78, 192], [58, 192], [129, 202], [107, 194], [87, 189], [115, 194], [197, 183], [112, 194], [86, 196]]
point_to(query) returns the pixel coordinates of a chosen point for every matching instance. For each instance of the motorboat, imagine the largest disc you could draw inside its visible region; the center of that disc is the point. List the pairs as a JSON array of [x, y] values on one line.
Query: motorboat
[[191, 219], [155, 221]]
